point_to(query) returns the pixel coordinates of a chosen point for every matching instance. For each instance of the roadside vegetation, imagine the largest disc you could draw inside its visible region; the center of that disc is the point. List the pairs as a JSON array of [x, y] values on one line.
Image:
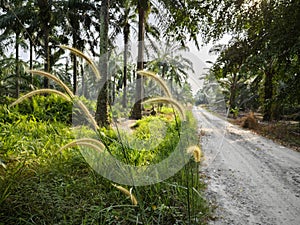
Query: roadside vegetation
[[42, 185]]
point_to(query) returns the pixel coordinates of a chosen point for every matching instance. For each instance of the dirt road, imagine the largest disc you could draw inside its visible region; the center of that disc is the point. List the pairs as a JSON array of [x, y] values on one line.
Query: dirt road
[[251, 179]]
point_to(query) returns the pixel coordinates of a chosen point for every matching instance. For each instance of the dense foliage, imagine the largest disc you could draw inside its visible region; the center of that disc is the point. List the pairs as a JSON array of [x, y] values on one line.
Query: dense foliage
[[259, 67], [40, 184]]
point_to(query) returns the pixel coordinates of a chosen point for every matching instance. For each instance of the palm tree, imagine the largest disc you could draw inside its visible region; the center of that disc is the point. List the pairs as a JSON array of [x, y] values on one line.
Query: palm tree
[[174, 12], [45, 24], [76, 17], [11, 24], [126, 19], [170, 62], [127, 16], [30, 32], [102, 114], [143, 9]]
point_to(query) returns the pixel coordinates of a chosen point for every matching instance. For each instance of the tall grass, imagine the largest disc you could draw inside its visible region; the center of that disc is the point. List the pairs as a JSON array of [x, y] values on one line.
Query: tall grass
[[52, 188]]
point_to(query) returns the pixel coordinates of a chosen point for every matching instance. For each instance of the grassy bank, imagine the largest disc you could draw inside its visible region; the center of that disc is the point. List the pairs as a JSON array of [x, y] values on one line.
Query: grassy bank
[[40, 185]]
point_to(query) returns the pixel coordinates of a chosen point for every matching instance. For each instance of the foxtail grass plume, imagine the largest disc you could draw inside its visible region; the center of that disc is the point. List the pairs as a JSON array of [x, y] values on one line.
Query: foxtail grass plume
[[158, 80], [87, 113], [70, 93], [168, 101], [128, 193], [196, 152], [82, 55], [54, 78], [40, 91], [88, 142]]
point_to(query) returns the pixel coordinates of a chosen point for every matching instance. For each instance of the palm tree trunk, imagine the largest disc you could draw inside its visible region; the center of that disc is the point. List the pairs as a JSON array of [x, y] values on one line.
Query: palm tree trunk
[[31, 61], [45, 18], [137, 108], [74, 74], [232, 98], [102, 114], [83, 80], [126, 40], [75, 28], [17, 66], [268, 95], [47, 57]]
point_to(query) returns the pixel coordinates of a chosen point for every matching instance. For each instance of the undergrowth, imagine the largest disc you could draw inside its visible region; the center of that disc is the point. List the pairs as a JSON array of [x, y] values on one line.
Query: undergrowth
[[45, 179], [40, 185]]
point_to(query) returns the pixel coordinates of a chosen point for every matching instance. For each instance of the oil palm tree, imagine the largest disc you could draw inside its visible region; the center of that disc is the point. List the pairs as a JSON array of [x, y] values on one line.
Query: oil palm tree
[[125, 21], [144, 8], [45, 23], [77, 22], [102, 113], [178, 19], [12, 25]]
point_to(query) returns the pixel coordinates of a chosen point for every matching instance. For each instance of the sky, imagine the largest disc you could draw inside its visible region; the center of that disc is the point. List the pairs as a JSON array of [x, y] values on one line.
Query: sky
[[200, 59]]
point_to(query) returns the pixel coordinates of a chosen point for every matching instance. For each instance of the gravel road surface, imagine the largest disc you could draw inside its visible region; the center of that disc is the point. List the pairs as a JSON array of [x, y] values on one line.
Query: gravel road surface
[[251, 179]]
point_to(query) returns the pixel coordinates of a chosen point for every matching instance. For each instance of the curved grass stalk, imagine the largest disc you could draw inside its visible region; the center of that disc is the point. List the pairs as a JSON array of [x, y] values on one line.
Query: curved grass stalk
[[160, 81], [62, 84], [168, 101], [196, 151], [82, 55], [87, 113], [89, 142], [54, 78], [126, 192], [40, 91]]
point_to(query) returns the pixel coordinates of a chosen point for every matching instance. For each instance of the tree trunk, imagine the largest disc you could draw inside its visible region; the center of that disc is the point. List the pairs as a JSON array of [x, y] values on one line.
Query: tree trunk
[[17, 66], [31, 61], [232, 103], [137, 108], [126, 32], [102, 114], [74, 74], [75, 40], [268, 95], [45, 18], [83, 80], [47, 56]]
